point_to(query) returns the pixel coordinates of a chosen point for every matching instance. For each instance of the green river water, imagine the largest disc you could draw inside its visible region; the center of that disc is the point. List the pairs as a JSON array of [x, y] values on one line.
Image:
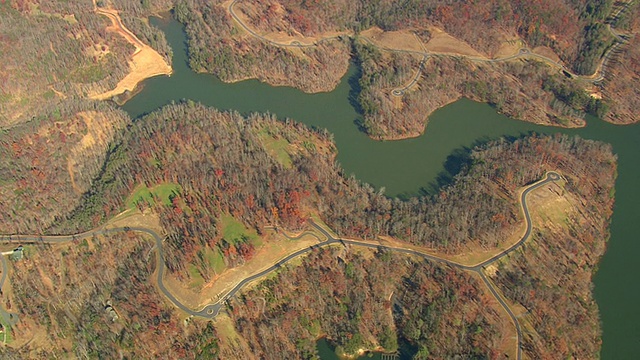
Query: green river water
[[411, 167]]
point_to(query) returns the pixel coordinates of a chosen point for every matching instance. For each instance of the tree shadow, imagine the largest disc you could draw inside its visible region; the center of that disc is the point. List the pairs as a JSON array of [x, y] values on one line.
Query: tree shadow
[[354, 93], [459, 162], [354, 86]]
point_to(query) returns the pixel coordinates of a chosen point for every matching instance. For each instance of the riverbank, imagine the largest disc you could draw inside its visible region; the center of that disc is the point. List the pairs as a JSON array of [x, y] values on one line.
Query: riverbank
[[144, 63]]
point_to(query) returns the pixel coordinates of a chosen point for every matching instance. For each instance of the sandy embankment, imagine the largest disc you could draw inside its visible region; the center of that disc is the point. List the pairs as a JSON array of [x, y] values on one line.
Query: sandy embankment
[[145, 62]]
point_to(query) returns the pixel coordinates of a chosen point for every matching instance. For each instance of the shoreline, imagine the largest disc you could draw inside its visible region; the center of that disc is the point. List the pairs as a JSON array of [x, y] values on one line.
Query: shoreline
[[145, 62]]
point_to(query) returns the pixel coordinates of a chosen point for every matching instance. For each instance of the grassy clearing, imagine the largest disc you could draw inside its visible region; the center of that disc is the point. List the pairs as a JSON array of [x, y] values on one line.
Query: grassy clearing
[[226, 330], [161, 192], [233, 231], [49, 94], [9, 337], [89, 74], [215, 260], [155, 163], [277, 147], [196, 279]]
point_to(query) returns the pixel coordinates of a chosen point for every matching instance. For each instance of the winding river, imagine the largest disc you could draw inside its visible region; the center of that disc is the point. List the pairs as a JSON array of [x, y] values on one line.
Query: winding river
[[416, 166]]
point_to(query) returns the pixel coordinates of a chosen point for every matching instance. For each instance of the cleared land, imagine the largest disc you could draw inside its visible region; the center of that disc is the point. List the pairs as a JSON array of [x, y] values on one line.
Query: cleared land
[[145, 62]]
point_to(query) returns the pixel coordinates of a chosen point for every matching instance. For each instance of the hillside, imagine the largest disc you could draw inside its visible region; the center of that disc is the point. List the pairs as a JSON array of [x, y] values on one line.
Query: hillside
[[309, 45], [554, 54], [232, 194], [566, 27], [56, 54], [259, 171], [46, 164], [220, 47]]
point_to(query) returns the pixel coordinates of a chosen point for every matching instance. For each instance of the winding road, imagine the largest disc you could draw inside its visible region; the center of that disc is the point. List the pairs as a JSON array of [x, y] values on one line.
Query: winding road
[[290, 44], [212, 310], [597, 77]]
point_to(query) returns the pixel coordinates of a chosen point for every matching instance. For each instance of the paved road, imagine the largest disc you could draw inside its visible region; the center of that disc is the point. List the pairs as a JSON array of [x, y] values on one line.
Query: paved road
[[402, 90], [550, 177], [212, 310], [208, 311]]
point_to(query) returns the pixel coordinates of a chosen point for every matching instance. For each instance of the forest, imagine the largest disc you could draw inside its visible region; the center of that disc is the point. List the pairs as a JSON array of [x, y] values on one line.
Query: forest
[[69, 164], [217, 46], [62, 297], [622, 84], [573, 29], [85, 58], [223, 163], [48, 162], [576, 32], [240, 177], [370, 301], [56, 53], [531, 92]]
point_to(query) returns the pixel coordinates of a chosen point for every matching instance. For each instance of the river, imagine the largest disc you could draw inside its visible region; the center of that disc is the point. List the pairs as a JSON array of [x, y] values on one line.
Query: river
[[415, 166]]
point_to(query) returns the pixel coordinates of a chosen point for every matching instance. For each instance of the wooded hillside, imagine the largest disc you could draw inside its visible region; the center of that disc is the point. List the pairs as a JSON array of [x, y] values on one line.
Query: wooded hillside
[[200, 163], [238, 175]]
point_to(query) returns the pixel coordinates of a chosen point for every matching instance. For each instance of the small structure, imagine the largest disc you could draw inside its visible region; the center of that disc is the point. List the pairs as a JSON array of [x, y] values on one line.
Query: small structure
[[111, 311], [18, 253]]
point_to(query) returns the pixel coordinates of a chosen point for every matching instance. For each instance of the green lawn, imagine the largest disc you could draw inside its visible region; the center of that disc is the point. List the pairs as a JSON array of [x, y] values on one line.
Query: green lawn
[[277, 148], [162, 192], [234, 231], [215, 260], [6, 327], [196, 279]]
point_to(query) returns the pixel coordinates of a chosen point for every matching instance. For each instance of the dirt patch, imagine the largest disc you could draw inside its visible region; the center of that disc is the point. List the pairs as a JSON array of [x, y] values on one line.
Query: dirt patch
[[135, 218], [551, 207], [397, 40], [547, 52], [443, 43], [72, 177], [229, 337], [99, 131], [145, 62], [475, 254], [60, 94], [509, 47], [285, 38], [274, 248], [594, 91], [270, 253]]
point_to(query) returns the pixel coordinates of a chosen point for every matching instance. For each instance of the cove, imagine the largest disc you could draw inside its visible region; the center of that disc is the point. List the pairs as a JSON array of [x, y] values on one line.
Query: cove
[[416, 166]]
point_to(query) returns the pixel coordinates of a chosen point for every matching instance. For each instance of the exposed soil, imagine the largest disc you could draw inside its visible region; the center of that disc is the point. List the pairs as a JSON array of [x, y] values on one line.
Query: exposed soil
[[275, 248], [547, 52], [443, 43], [145, 62], [398, 40]]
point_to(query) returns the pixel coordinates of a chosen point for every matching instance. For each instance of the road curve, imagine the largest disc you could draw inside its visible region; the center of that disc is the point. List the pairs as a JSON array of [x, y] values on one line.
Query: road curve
[[596, 77], [212, 310], [400, 91], [295, 43]]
